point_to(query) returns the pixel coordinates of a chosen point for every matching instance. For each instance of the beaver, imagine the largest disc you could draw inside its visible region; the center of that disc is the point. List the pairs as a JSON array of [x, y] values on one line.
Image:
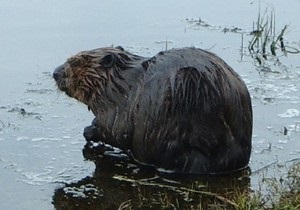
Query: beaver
[[183, 110]]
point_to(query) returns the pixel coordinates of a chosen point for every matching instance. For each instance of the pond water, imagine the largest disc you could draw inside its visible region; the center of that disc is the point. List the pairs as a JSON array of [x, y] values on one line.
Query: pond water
[[44, 162]]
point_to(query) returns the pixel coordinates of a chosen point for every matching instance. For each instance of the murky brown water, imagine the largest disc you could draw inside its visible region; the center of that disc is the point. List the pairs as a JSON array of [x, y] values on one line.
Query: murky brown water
[[44, 163]]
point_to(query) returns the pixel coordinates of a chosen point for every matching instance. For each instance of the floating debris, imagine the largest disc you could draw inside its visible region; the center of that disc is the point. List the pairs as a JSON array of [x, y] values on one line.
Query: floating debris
[[25, 113]]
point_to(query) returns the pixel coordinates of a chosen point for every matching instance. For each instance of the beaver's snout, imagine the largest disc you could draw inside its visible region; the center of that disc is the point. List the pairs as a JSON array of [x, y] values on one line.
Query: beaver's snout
[[58, 72], [59, 75]]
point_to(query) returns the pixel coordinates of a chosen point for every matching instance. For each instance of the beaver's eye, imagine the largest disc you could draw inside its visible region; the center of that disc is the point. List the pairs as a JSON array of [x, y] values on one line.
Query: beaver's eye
[[120, 48]]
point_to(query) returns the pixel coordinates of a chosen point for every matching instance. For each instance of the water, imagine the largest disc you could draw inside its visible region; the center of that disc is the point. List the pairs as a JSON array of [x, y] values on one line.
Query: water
[[42, 155]]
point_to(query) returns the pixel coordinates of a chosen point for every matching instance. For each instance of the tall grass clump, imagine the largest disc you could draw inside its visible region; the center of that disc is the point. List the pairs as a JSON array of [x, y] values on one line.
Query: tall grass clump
[[266, 40]]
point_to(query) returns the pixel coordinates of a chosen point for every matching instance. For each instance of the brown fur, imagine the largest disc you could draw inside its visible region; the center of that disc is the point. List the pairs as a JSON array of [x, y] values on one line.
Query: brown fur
[[87, 80]]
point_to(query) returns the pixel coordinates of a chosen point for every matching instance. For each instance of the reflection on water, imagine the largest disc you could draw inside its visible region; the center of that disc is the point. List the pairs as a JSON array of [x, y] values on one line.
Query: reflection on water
[[118, 182]]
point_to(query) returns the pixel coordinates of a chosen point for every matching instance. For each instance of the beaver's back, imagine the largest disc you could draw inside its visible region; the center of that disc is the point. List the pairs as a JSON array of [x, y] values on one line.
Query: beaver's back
[[196, 110]]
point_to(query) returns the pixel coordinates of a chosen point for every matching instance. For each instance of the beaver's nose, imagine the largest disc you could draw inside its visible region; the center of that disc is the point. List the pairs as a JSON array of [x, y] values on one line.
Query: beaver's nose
[[55, 75], [57, 72]]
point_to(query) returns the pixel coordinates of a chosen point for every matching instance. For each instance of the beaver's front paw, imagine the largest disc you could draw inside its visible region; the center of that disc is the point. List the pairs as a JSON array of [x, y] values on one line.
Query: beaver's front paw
[[91, 133]]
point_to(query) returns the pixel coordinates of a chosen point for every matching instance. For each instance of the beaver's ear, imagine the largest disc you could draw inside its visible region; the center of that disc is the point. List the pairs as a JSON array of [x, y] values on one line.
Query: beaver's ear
[[120, 48], [109, 60]]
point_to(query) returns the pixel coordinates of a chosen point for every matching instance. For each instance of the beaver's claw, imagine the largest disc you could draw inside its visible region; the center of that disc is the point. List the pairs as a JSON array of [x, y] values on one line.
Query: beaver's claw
[[91, 132]]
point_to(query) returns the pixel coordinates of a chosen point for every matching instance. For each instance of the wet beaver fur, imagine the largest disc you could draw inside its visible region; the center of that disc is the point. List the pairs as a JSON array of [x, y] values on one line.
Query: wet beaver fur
[[183, 110]]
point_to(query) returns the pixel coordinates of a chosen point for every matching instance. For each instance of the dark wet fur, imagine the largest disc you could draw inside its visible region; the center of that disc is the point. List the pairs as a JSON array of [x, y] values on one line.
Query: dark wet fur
[[184, 109]]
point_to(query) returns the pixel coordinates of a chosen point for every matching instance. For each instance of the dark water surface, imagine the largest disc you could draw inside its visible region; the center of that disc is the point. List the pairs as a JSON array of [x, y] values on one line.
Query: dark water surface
[[44, 162]]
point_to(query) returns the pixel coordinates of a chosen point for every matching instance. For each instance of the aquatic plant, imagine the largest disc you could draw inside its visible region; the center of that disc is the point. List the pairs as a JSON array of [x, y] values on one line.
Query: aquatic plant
[[281, 193], [266, 40]]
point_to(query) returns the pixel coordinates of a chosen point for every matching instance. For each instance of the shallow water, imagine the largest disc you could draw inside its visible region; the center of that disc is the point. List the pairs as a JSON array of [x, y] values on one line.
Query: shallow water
[[42, 155]]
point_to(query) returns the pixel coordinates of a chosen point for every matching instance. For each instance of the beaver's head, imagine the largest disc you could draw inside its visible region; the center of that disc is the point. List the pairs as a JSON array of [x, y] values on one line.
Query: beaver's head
[[95, 76]]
